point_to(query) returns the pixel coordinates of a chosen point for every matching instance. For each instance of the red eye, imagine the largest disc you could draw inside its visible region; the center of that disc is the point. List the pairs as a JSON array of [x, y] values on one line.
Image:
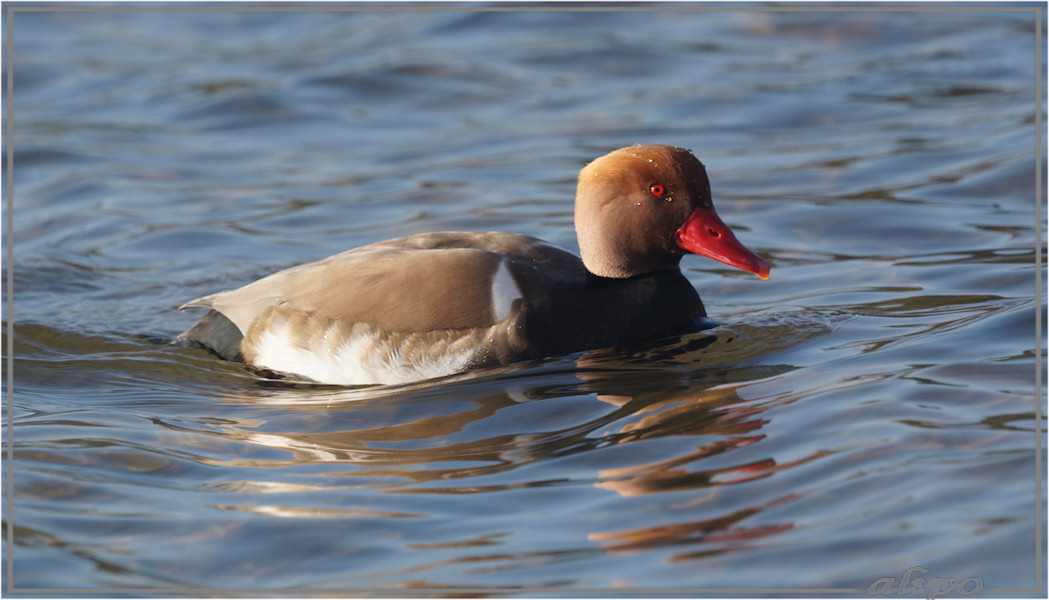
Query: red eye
[[657, 190]]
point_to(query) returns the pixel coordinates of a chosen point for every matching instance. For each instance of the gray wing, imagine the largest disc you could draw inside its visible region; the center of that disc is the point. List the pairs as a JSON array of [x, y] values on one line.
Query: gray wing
[[421, 283]]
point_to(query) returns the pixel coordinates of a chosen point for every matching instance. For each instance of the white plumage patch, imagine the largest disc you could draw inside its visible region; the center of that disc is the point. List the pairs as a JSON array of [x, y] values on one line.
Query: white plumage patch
[[365, 357], [504, 292]]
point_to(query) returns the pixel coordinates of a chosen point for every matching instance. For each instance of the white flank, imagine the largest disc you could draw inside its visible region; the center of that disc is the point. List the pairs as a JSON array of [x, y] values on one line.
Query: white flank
[[355, 362], [504, 292]]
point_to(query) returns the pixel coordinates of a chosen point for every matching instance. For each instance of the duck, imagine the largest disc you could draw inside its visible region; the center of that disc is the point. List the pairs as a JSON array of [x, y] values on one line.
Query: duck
[[436, 304]]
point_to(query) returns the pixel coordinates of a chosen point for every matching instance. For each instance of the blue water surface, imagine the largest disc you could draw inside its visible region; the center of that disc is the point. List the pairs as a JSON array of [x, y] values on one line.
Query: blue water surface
[[871, 408]]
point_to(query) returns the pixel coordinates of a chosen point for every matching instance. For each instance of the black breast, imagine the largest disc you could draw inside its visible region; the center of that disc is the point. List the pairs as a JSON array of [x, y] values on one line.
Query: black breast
[[598, 312]]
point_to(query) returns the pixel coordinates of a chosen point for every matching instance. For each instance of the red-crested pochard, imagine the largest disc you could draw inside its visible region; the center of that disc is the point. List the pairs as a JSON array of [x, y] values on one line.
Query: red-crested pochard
[[434, 304]]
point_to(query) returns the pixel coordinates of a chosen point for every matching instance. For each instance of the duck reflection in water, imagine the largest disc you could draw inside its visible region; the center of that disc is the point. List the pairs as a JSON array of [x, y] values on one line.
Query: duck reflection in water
[[470, 435]]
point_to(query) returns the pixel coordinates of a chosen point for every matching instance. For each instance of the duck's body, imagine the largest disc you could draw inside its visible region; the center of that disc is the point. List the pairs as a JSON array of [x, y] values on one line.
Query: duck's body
[[440, 303], [374, 314]]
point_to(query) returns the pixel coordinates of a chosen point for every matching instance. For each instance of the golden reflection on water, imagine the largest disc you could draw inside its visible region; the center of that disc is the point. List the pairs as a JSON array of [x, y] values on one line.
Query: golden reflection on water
[[394, 447]]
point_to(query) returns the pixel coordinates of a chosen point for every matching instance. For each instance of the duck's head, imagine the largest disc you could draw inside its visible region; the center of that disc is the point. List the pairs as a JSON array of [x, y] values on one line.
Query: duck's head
[[640, 209]]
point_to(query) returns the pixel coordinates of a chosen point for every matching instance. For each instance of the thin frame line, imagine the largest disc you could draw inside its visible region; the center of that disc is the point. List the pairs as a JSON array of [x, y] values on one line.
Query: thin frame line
[[1039, 300], [664, 7], [397, 591], [529, 7], [9, 189]]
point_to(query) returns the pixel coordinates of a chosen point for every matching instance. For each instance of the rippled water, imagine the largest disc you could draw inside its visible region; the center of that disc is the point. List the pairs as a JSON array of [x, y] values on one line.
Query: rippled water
[[871, 408]]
